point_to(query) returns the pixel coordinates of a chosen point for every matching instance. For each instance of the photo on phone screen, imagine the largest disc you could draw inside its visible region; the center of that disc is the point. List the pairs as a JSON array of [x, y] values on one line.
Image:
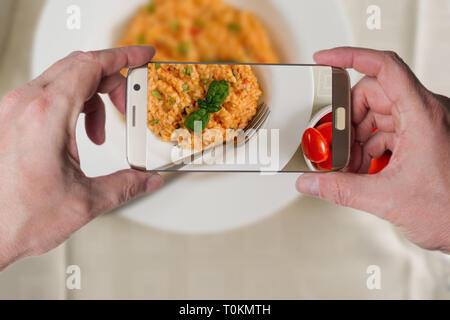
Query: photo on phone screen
[[238, 117]]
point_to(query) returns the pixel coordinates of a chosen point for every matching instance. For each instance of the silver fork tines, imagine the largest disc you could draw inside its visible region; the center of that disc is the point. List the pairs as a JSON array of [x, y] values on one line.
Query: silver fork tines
[[257, 122]]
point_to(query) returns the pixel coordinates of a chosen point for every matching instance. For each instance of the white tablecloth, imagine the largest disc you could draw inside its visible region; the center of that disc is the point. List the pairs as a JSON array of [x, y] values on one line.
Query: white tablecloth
[[291, 255]]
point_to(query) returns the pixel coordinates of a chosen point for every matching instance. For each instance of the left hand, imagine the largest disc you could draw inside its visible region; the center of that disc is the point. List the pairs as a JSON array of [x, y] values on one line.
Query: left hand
[[44, 195]]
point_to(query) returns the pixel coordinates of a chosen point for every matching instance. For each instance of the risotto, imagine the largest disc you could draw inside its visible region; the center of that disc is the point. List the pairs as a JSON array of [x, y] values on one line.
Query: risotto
[[200, 31], [176, 91]]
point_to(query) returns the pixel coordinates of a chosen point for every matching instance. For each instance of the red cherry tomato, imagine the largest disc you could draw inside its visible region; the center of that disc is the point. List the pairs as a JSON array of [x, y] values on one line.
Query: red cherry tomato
[[315, 146], [326, 165], [326, 118], [326, 129], [378, 164]]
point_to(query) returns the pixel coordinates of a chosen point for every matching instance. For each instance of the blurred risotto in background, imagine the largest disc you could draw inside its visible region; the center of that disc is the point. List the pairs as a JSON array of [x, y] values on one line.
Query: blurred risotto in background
[[200, 31]]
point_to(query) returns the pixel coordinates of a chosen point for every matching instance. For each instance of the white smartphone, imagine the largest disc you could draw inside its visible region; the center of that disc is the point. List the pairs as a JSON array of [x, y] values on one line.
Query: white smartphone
[[238, 117]]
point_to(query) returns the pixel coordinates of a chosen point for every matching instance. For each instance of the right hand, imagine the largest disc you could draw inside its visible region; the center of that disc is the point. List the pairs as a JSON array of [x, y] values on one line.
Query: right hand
[[412, 192]]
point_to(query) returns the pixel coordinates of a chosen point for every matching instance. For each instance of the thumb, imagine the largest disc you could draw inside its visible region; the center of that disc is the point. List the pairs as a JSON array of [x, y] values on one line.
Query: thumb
[[359, 191], [111, 191]]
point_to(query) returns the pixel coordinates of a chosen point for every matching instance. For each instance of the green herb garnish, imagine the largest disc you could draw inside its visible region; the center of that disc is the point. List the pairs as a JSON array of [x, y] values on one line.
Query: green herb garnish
[[150, 8], [154, 121], [140, 39], [188, 70], [186, 88], [200, 115], [175, 26], [183, 48], [157, 66], [205, 81], [156, 94], [218, 91], [171, 100], [234, 27], [199, 23]]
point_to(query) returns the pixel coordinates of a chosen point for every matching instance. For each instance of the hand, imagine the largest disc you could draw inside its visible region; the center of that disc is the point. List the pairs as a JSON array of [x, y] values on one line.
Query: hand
[[412, 192], [44, 195]]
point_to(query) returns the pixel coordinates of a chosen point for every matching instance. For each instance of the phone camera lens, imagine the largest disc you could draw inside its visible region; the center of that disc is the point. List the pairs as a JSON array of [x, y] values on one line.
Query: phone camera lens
[[137, 87]]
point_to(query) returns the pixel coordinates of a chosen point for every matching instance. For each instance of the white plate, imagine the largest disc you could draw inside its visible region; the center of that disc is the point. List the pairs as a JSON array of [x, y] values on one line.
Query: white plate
[[288, 118], [228, 200]]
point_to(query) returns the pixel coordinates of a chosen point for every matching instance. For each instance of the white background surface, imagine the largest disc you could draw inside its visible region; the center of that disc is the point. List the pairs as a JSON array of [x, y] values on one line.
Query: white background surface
[[307, 249]]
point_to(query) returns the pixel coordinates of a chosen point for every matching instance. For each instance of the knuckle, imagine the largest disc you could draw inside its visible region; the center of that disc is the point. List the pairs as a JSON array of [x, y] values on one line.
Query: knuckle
[[89, 60], [39, 105], [437, 110], [75, 53], [84, 56], [84, 204], [83, 207], [12, 97], [393, 56], [129, 191], [333, 189]]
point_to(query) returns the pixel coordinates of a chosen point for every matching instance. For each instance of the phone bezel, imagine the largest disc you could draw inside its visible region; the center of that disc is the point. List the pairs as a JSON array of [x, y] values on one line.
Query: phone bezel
[[136, 117], [136, 139]]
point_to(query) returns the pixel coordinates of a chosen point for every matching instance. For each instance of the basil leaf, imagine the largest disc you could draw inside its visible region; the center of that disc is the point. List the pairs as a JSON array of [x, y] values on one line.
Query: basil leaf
[[213, 108], [218, 91], [199, 115], [210, 108], [203, 104]]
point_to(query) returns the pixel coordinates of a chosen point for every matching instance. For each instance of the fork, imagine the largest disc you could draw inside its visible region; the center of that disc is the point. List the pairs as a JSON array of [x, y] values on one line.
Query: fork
[[249, 131]]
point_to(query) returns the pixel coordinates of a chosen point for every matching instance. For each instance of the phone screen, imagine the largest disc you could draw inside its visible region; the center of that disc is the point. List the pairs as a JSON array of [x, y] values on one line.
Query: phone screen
[[239, 117]]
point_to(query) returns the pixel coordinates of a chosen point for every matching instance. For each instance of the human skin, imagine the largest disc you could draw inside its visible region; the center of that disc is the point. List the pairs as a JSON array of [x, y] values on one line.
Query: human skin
[[44, 195], [412, 192]]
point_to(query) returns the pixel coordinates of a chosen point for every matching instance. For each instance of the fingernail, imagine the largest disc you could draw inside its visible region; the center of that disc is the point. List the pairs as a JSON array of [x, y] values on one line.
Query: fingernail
[[308, 184], [154, 182]]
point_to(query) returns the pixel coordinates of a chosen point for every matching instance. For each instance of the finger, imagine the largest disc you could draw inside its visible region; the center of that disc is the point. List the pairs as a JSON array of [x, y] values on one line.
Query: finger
[[363, 192], [364, 129], [367, 95], [116, 86], [394, 76], [355, 158], [375, 147], [95, 119], [111, 191], [114, 60], [84, 71]]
